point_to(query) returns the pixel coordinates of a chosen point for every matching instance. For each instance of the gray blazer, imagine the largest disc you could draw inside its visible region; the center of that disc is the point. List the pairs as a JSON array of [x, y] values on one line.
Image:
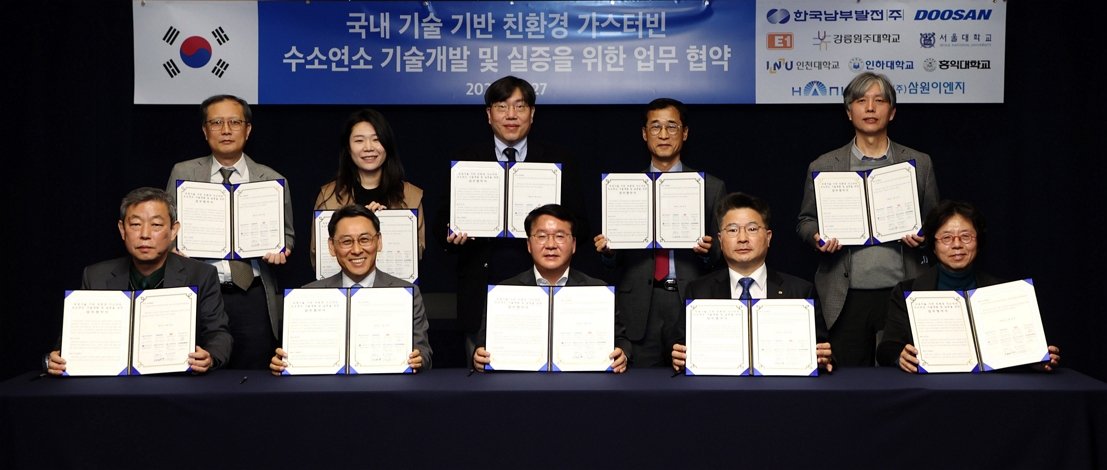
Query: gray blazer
[[832, 277], [211, 321], [199, 169], [634, 268], [418, 312]]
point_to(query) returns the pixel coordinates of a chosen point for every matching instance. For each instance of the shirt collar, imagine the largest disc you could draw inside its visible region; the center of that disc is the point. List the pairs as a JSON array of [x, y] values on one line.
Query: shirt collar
[[239, 166], [544, 283], [677, 168], [152, 281], [520, 150], [856, 151], [367, 282], [759, 275]]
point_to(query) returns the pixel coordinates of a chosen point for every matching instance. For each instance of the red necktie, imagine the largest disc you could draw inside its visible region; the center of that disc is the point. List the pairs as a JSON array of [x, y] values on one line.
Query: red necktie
[[661, 264]]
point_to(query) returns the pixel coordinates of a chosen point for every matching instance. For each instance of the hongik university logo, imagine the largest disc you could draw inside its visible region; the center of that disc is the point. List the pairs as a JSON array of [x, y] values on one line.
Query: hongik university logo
[[196, 52]]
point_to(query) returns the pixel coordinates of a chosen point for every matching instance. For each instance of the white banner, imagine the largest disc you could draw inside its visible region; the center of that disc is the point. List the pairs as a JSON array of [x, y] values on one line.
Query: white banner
[[188, 51]]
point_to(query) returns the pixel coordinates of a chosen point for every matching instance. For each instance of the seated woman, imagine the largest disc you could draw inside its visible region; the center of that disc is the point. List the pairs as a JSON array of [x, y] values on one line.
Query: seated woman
[[956, 231], [369, 173]]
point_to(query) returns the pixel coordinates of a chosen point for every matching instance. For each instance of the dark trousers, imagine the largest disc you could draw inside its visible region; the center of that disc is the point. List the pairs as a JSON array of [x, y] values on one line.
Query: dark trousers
[[248, 317], [853, 336], [655, 349]]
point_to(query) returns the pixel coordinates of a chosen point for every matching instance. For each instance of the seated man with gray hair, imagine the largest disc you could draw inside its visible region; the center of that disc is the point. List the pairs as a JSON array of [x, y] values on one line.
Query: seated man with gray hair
[[148, 225]]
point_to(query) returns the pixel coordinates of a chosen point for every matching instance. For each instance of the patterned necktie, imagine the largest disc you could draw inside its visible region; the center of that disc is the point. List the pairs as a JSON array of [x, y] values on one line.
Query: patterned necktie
[[746, 282], [510, 154], [242, 274]]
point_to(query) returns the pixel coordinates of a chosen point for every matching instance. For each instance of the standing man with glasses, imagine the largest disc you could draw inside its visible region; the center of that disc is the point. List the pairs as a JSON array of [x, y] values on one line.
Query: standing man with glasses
[[355, 239], [744, 237], [250, 293], [551, 244], [854, 282], [651, 283], [509, 105]]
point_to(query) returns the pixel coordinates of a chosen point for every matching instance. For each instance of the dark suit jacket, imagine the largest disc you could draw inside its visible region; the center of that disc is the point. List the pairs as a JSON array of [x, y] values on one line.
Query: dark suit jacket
[[897, 328], [779, 286], [483, 261], [211, 320], [576, 278], [418, 312], [199, 169], [634, 268]]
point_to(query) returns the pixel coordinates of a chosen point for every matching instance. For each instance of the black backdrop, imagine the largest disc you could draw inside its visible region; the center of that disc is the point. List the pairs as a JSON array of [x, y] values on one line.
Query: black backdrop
[[77, 144]]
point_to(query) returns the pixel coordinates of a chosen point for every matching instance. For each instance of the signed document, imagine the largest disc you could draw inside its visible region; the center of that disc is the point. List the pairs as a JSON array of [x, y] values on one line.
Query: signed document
[[717, 333], [399, 255], [129, 332], [325, 264], [518, 328], [980, 330], [679, 208], [230, 222], [583, 328], [868, 207], [477, 193], [380, 330], [783, 341], [627, 201], [942, 332], [529, 186], [315, 324]]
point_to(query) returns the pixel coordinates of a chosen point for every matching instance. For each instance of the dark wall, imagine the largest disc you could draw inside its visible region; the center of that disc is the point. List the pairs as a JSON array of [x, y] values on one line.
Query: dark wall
[[76, 145]]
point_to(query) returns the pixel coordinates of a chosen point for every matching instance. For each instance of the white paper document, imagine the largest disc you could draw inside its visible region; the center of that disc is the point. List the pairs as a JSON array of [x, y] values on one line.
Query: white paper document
[[164, 330], [224, 222], [380, 330], [942, 331], [259, 218], [315, 331], [627, 210], [1008, 325], [529, 186], [96, 332], [477, 193], [518, 327], [680, 207], [783, 337], [204, 210], [399, 255], [717, 337], [868, 207], [326, 265], [583, 328]]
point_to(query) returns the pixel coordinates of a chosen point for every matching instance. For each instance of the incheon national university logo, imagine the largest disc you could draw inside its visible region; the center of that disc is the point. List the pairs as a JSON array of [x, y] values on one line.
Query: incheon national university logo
[[196, 52]]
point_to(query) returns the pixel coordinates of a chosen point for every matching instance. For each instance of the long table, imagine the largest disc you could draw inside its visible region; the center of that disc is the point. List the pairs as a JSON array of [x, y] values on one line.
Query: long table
[[856, 418]]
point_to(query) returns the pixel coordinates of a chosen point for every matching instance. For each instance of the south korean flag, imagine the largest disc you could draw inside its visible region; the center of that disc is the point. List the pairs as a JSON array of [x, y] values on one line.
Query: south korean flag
[[187, 51]]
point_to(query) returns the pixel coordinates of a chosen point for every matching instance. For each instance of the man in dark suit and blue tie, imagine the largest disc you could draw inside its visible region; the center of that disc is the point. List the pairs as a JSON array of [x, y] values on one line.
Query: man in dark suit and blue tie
[[744, 238]]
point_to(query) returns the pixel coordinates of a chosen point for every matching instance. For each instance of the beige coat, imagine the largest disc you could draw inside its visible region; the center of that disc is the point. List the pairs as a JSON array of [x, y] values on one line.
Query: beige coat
[[328, 201]]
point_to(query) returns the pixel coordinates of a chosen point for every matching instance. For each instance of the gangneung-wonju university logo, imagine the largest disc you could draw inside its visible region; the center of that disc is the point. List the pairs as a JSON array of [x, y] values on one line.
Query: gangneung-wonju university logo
[[196, 52]]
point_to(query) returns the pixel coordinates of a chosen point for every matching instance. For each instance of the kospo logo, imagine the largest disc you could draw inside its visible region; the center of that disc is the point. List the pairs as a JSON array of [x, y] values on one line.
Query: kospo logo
[[954, 15]]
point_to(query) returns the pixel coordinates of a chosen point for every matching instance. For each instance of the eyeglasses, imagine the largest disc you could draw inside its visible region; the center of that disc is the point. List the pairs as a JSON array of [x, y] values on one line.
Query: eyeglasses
[[503, 107], [965, 237], [671, 128], [217, 124], [752, 230], [560, 237], [347, 243]]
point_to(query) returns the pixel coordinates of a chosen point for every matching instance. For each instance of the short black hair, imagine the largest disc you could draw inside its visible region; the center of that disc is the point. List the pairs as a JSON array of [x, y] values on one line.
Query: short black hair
[[148, 194], [946, 210], [554, 210], [662, 103], [743, 201], [500, 90], [352, 210], [218, 98]]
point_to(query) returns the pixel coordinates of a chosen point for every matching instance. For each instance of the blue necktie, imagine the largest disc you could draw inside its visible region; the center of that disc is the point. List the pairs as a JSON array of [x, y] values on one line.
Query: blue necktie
[[746, 282]]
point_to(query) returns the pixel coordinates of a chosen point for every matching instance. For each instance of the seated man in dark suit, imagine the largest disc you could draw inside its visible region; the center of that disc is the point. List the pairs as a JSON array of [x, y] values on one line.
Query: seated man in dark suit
[[745, 236], [148, 225], [551, 245], [355, 240]]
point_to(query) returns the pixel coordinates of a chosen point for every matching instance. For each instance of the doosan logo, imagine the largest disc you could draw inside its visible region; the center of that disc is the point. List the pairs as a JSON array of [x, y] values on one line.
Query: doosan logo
[[954, 15]]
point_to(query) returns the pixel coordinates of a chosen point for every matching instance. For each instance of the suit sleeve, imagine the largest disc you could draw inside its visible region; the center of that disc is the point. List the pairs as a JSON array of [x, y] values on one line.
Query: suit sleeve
[[419, 328], [928, 187], [211, 319], [808, 224], [822, 334], [897, 329], [171, 186]]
